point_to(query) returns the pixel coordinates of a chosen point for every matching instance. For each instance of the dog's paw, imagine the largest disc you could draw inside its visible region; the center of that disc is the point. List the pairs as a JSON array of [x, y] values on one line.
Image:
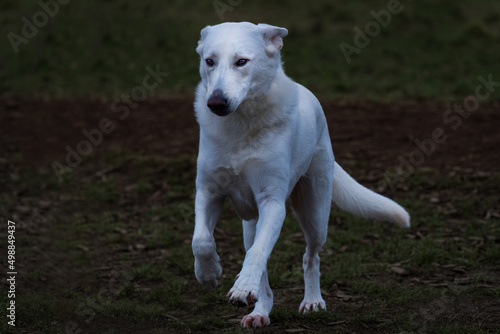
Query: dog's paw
[[312, 306], [208, 270], [242, 298], [244, 292], [255, 321]]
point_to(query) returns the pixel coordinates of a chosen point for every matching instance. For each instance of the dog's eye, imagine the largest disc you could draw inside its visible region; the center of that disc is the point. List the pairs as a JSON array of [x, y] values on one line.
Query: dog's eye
[[241, 62], [209, 62]]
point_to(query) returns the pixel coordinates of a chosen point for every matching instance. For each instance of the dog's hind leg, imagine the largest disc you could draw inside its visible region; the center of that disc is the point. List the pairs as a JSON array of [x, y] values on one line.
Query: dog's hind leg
[[260, 315], [311, 202]]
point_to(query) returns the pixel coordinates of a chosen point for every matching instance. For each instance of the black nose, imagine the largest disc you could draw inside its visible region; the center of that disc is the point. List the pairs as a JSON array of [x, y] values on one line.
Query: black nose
[[218, 103]]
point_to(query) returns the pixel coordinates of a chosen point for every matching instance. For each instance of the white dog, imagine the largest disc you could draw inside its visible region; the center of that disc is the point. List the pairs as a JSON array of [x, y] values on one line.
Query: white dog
[[264, 141]]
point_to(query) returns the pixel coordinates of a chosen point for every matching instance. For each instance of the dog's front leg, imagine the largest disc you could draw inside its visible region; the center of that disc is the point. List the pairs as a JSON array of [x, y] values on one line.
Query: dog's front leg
[[206, 260], [271, 216]]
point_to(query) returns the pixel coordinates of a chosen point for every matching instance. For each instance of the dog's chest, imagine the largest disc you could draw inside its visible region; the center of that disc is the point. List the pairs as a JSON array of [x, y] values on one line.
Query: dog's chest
[[232, 182]]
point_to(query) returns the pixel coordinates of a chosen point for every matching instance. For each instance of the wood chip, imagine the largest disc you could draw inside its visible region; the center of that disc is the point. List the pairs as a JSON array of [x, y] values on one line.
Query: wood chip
[[324, 293], [400, 271], [342, 295], [155, 195], [343, 248], [481, 175], [479, 241], [121, 230], [492, 213], [171, 317], [23, 209], [104, 268], [44, 204], [398, 264], [464, 280], [83, 248], [340, 283], [434, 200], [105, 171]]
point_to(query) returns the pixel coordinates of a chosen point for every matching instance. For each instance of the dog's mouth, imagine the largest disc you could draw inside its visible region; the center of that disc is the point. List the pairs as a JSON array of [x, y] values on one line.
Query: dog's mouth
[[221, 112]]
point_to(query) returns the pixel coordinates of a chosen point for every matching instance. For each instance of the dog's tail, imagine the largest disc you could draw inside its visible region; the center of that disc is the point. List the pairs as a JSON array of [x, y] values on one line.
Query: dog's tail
[[354, 198]]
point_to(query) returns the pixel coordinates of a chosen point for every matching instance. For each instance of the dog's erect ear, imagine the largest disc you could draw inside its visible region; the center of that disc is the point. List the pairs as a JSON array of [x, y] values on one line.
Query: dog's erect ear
[[203, 35], [272, 37]]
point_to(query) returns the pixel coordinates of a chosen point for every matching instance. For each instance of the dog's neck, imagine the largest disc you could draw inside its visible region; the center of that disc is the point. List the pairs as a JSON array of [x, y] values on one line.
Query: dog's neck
[[255, 116], [269, 104]]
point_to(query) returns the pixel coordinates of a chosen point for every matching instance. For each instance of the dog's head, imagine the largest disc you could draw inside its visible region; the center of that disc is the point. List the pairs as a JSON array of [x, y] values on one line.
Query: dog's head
[[238, 61]]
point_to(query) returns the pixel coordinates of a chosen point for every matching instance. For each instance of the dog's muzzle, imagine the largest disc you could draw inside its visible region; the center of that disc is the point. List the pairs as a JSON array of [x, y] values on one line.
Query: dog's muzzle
[[218, 103]]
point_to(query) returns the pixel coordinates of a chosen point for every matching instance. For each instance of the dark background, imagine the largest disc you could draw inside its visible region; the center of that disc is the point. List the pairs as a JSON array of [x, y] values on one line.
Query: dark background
[[102, 189]]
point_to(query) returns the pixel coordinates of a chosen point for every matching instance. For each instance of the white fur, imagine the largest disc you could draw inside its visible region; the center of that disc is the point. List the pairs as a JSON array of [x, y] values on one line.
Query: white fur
[[271, 147]]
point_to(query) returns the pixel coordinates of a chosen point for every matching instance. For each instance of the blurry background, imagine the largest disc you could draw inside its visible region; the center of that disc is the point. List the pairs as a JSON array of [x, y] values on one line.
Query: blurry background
[[431, 49], [98, 172]]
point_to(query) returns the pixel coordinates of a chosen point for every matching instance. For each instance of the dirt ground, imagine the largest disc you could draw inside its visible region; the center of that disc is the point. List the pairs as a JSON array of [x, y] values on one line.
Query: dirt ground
[[378, 133], [36, 133]]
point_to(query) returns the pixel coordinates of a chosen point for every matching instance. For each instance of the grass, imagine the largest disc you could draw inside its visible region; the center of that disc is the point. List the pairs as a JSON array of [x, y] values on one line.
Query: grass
[[430, 50], [130, 269]]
